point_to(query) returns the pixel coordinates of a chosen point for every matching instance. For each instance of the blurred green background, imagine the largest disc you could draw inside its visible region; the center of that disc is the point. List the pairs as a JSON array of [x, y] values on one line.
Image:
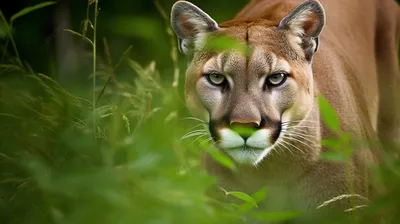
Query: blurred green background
[[42, 42], [64, 160]]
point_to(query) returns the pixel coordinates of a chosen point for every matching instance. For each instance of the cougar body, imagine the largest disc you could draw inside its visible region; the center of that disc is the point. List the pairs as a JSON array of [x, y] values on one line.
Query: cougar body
[[344, 50]]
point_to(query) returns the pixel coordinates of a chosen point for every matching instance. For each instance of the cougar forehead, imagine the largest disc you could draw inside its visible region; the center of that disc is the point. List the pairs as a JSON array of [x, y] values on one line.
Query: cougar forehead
[[266, 35]]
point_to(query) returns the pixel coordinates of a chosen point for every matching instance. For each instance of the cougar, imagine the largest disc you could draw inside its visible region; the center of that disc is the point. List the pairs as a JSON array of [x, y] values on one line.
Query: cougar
[[261, 104]]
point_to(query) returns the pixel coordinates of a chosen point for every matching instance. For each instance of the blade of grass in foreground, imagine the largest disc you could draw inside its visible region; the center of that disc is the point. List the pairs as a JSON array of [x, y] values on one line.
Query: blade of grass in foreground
[[29, 9]]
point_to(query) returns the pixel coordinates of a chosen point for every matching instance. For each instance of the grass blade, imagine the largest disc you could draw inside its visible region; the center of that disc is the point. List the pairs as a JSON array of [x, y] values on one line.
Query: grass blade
[[244, 197], [10, 36], [79, 35], [124, 57], [29, 9]]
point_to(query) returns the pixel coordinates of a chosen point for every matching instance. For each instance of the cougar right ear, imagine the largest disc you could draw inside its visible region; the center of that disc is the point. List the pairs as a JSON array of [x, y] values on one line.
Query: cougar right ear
[[188, 21]]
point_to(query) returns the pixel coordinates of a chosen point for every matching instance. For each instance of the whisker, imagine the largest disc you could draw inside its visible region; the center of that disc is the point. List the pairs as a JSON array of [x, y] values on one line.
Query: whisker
[[302, 131], [198, 138], [300, 126], [302, 137], [256, 165], [194, 119], [296, 126], [274, 150], [278, 144], [199, 125], [196, 131], [288, 138], [253, 153], [283, 141], [299, 121], [205, 141], [192, 135], [306, 136], [298, 140], [215, 142], [310, 138], [297, 132]]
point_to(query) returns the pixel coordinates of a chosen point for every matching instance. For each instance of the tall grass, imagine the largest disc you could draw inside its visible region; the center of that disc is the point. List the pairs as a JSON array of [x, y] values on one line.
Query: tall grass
[[139, 170]]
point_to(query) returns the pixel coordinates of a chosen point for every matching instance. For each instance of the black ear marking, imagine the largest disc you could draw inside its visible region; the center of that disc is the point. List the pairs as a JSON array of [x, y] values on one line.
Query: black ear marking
[[316, 39], [188, 21]]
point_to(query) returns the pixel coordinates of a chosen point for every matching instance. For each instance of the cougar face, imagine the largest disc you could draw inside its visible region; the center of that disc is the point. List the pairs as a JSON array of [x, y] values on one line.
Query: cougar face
[[250, 97]]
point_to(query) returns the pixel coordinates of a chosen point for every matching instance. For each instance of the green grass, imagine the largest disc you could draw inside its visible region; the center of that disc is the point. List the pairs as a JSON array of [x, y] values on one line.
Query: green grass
[[114, 153]]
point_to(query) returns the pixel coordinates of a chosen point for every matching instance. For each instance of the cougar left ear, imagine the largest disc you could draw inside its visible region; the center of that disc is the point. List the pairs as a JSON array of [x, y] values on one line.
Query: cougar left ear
[[306, 21], [188, 21]]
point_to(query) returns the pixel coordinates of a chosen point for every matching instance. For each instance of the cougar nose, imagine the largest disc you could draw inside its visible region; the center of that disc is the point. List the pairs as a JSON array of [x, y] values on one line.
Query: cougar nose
[[245, 130]]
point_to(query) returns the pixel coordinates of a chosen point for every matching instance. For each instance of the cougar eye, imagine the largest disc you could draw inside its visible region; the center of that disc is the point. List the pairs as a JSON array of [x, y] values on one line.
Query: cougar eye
[[216, 79], [276, 79]]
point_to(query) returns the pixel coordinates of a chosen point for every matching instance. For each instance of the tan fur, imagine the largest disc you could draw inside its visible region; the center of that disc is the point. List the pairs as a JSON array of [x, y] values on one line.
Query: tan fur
[[356, 68]]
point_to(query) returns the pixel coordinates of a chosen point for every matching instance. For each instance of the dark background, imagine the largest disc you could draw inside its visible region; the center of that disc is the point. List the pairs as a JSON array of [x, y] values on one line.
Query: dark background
[[43, 44]]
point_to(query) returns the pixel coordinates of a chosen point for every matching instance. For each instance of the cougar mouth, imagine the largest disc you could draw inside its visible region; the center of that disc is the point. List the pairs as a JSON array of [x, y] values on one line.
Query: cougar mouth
[[246, 149]]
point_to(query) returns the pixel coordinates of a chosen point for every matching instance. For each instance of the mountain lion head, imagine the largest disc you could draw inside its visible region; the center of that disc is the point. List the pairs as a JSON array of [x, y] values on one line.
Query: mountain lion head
[[250, 96]]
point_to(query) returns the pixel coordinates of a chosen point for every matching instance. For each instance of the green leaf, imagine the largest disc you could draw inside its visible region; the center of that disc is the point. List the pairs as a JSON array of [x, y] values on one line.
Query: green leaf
[[345, 138], [29, 9], [334, 156], [222, 159], [333, 144], [328, 114], [277, 216], [221, 43], [242, 196], [260, 195], [79, 35]]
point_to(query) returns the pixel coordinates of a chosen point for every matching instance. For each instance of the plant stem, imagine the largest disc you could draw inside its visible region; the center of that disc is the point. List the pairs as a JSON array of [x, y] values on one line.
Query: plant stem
[[94, 67], [87, 12], [5, 50], [174, 50], [8, 27]]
